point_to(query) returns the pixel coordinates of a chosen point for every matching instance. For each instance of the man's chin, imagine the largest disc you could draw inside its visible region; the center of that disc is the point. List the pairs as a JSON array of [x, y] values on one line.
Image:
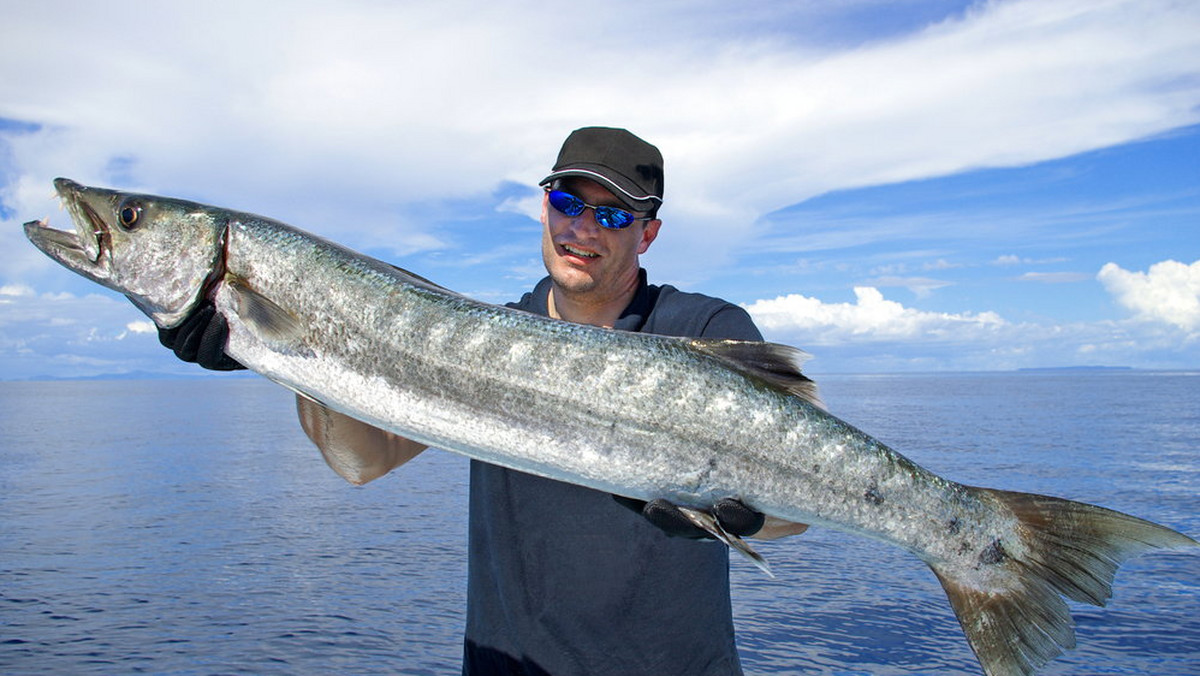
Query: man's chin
[[571, 279]]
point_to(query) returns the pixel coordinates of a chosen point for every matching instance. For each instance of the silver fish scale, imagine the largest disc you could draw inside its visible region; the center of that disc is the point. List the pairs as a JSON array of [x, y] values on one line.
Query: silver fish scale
[[641, 415]]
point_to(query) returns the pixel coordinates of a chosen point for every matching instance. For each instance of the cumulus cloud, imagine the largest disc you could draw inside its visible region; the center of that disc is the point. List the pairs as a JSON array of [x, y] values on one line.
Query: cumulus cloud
[[1169, 292], [870, 318], [877, 334]]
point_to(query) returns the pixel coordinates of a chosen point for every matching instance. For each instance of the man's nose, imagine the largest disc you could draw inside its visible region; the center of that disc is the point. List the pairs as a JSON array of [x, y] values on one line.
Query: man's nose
[[584, 221]]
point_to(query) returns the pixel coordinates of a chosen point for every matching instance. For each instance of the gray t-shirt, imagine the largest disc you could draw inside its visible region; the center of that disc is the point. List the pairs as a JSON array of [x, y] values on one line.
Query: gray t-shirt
[[565, 581]]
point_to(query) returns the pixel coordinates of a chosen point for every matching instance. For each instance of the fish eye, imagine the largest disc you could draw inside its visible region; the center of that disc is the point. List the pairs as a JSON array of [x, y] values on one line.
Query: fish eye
[[129, 214]]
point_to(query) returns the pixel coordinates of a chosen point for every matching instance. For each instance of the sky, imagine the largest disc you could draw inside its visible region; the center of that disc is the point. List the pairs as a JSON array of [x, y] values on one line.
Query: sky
[[916, 185]]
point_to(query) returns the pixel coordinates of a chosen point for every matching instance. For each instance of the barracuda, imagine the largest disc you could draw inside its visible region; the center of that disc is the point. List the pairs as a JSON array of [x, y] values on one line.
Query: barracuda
[[637, 415]]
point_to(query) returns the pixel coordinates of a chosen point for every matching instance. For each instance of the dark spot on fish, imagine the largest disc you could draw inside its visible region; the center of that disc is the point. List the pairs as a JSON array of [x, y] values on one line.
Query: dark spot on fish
[[954, 526], [993, 554], [873, 495], [964, 547]]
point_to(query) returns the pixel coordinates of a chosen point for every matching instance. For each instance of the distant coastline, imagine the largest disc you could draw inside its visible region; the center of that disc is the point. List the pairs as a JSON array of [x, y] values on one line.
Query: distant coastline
[[136, 375], [1073, 369]]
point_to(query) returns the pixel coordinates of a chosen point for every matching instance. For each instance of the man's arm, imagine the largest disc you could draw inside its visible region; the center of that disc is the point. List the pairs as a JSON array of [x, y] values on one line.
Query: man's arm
[[357, 451]]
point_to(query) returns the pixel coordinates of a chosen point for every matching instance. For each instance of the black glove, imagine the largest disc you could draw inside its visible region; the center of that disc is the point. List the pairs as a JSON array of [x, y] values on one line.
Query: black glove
[[201, 338], [734, 516]]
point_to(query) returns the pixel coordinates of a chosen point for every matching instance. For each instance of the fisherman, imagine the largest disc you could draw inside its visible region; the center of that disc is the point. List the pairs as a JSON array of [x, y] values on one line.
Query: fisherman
[[562, 579]]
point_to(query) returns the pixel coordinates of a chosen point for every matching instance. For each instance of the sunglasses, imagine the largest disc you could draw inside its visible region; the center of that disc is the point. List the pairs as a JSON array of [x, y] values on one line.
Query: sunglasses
[[606, 217]]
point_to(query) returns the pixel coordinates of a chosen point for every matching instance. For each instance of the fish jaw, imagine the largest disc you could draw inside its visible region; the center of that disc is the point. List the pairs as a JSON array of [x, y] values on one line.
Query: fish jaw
[[87, 249], [162, 253]]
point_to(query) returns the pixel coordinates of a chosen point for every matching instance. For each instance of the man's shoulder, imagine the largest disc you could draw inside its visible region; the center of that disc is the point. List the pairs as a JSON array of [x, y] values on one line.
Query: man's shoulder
[[686, 313], [535, 300], [673, 299]]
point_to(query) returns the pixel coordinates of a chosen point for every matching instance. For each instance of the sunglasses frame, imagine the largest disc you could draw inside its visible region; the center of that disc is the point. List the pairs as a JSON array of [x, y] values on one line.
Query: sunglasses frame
[[602, 214]]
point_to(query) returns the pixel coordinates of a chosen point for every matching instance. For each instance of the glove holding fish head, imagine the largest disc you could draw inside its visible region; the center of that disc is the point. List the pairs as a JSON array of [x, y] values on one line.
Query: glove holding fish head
[[200, 339]]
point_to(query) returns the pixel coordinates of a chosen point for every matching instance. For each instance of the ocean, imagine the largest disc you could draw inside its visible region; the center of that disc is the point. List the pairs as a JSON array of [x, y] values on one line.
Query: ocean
[[188, 527]]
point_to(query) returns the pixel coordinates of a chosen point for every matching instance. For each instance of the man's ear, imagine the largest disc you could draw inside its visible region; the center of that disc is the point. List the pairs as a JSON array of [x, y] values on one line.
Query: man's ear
[[649, 234]]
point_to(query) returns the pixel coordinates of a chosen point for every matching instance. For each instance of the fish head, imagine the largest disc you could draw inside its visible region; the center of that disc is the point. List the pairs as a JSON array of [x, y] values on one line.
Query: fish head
[[160, 252]]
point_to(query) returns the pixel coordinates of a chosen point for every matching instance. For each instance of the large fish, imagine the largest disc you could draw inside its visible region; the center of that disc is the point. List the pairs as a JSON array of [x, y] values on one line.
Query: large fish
[[637, 415]]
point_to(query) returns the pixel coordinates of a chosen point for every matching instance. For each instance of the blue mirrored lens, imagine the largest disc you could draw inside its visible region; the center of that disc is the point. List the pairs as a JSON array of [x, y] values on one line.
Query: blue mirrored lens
[[613, 218], [566, 203]]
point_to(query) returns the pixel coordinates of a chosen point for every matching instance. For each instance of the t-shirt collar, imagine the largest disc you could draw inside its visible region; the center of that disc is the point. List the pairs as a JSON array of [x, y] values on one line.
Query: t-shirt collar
[[632, 318]]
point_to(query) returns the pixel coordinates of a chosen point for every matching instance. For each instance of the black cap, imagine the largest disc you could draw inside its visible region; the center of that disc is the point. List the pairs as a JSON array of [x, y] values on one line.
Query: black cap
[[625, 164]]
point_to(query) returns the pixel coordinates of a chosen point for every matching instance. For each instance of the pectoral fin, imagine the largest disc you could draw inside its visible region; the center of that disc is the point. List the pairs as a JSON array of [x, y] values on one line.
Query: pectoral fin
[[269, 322]]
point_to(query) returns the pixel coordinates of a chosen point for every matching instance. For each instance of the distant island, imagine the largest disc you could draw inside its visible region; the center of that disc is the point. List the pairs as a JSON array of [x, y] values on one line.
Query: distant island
[[136, 375], [1060, 369]]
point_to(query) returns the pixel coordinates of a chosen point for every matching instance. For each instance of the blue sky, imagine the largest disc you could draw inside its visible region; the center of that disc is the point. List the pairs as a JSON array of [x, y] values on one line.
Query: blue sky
[[892, 186]]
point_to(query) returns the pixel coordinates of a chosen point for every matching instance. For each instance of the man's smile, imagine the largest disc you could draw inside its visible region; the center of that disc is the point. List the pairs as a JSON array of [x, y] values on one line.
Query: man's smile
[[575, 251]]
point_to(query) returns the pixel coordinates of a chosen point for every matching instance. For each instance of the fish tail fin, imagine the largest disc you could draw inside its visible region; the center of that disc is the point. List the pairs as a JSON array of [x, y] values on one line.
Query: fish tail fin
[[1020, 621]]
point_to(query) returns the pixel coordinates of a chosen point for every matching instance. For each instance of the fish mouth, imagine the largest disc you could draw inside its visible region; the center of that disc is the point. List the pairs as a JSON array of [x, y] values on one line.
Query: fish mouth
[[88, 248], [92, 232]]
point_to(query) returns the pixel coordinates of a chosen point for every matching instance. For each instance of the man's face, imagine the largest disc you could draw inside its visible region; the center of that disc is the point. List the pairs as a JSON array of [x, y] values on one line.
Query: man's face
[[588, 260]]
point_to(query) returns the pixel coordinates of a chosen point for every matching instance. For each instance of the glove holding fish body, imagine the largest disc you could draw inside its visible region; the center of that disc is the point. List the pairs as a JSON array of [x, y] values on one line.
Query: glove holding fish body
[[733, 515], [200, 339]]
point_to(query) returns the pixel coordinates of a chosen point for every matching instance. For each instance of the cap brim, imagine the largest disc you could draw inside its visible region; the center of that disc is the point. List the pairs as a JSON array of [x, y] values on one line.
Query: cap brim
[[635, 202]]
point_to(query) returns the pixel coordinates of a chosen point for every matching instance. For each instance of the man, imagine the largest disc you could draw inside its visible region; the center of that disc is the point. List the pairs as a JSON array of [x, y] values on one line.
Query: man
[[562, 579]]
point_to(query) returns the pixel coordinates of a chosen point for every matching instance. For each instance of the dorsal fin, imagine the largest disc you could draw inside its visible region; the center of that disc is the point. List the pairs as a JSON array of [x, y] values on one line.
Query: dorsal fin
[[777, 364]]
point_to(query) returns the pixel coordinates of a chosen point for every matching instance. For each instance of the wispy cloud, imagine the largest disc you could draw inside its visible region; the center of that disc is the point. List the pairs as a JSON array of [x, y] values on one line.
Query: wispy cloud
[[921, 286], [270, 111], [1055, 277]]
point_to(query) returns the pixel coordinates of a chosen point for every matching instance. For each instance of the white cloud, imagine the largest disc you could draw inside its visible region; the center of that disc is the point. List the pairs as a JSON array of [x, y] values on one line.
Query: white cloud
[[921, 286], [1169, 292], [870, 318], [876, 334], [1011, 260], [338, 118], [62, 334], [264, 107], [15, 290]]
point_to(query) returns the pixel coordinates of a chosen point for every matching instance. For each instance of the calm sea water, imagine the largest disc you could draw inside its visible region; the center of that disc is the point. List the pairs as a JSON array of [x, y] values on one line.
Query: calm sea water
[[187, 527]]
